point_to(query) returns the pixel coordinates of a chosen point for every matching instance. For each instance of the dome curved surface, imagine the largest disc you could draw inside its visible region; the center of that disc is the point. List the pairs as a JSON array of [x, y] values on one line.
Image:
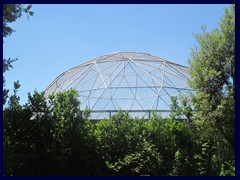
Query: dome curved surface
[[126, 80]]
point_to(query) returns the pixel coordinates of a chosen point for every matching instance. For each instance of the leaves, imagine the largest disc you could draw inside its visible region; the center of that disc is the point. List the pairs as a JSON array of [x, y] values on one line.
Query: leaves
[[212, 70], [52, 136], [11, 12], [60, 140]]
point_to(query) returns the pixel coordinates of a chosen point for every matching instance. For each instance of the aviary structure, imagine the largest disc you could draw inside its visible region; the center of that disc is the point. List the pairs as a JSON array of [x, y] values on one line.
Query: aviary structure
[[137, 82]]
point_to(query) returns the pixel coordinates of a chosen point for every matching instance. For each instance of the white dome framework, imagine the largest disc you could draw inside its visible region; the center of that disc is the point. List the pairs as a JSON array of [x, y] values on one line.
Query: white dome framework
[[137, 82]]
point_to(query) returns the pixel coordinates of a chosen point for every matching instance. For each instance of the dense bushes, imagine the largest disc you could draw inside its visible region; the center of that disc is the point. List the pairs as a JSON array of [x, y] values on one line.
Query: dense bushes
[[54, 137], [60, 140]]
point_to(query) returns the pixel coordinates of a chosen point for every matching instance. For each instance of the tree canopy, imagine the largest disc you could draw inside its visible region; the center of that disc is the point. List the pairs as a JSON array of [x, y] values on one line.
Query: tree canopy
[[212, 69], [11, 12], [52, 136]]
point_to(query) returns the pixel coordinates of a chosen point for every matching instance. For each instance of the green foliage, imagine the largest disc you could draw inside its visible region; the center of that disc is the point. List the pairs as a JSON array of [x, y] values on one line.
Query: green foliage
[[227, 169], [47, 136], [122, 144], [11, 12], [212, 68], [14, 140], [144, 161], [181, 108], [54, 137], [154, 147], [181, 163], [204, 160]]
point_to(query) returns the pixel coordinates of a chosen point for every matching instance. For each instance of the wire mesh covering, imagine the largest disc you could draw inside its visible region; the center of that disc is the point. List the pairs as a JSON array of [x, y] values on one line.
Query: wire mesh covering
[[128, 81]]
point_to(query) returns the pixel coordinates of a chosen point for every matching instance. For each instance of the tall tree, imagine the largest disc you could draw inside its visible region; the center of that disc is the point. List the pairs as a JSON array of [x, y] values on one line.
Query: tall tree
[[11, 12], [212, 69]]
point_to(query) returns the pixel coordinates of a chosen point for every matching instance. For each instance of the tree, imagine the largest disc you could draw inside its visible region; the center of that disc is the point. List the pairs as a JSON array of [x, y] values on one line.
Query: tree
[[11, 12], [123, 148], [48, 136], [52, 136], [212, 70]]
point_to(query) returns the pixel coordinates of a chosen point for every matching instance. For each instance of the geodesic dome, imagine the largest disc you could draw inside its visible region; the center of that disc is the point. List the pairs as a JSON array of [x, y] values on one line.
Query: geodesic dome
[[137, 82]]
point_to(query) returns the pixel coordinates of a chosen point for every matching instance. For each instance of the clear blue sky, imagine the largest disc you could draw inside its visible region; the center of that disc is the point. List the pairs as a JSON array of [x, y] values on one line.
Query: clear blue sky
[[59, 37]]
